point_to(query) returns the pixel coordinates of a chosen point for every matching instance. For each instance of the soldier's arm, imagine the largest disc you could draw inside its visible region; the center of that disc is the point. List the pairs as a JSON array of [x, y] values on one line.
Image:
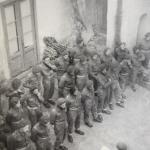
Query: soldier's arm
[[34, 134], [53, 116], [10, 143]]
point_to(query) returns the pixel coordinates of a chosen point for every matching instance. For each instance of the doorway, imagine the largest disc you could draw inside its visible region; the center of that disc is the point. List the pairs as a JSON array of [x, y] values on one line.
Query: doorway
[[20, 34]]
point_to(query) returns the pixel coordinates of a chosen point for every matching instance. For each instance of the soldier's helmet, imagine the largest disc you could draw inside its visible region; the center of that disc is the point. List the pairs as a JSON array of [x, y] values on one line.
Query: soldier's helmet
[[61, 101], [121, 146], [16, 83], [36, 69]]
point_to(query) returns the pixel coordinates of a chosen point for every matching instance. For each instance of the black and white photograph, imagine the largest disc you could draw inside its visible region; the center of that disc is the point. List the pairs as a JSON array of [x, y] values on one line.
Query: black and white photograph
[[74, 74]]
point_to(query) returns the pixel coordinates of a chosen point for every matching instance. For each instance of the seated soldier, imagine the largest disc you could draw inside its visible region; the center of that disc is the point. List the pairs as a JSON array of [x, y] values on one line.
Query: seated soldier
[[137, 67], [35, 79], [122, 52]]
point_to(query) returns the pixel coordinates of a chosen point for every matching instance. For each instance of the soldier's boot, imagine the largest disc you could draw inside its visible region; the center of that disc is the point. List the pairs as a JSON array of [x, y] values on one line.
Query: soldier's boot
[[62, 147], [106, 111], [111, 106], [70, 138], [77, 131], [99, 118], [87, 123], [120, 104]]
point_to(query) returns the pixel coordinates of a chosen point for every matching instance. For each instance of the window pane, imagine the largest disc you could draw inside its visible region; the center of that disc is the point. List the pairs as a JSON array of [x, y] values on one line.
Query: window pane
[[13, 47], [25, 8], [28, 39], [9, 13], [26, 24], [11, 29]]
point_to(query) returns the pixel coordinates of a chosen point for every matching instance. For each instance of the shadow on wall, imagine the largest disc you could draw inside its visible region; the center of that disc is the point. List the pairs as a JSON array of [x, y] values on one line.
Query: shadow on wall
[[144, 27]]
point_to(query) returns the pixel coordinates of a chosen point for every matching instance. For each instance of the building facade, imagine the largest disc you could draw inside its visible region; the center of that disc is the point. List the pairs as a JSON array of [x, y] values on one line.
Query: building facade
[[24, 23]]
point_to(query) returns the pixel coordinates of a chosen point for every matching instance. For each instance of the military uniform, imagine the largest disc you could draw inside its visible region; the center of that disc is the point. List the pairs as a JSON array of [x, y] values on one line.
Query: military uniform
[[58, 119], [41, 134], [19, 140], [34, 108], [89, 104], [122, 54], [15, 116], [61, 65], [73, 104], [50, 84], [81, 73], [35, 79], [67, 82]]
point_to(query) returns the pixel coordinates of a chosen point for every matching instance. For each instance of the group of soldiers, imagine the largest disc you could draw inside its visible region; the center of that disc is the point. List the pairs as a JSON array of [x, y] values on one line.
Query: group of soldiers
[[60, 90]]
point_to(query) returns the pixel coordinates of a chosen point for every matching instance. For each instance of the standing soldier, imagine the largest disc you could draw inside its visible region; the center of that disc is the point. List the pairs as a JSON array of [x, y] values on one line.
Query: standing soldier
[[15, 116], [34, 100], [73, 104], [62, 63], [89, 105], [81, 73], [41, 133], [49, 81], [67, 82], [35, 79], [20, 139], [58, 119]]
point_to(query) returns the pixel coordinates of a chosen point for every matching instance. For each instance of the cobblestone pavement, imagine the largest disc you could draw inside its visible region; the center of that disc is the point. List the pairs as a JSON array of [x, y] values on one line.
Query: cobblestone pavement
[[130, 125]]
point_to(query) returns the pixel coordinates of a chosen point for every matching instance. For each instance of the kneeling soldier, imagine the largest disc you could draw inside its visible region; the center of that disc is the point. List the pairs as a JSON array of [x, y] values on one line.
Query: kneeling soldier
[[58, 119]]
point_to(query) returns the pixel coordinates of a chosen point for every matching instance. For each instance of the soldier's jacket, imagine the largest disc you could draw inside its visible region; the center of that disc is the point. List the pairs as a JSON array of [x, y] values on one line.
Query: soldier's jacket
[[73, 102], [94, 67], [35, 81], [57, 116], [15, 117], [61, 65], [40, 133], [87, 94], [81, 70], [137, 60], [67, 81], [103, 81], [122, 54], [19, 141]]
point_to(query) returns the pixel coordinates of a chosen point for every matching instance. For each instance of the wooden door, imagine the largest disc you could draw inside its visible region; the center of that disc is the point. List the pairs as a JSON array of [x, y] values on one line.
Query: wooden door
[[20, 35]]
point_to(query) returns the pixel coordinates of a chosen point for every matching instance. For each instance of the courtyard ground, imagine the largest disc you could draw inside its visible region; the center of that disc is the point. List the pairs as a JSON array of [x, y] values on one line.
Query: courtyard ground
[[130, 125]]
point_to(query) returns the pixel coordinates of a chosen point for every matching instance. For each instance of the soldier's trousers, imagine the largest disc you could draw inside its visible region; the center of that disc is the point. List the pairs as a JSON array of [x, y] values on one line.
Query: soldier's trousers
[[81, 82], [89, 106], [116, 92], [73, 117], [60, 132], [44, 144], [34, 115], [101, 97]]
